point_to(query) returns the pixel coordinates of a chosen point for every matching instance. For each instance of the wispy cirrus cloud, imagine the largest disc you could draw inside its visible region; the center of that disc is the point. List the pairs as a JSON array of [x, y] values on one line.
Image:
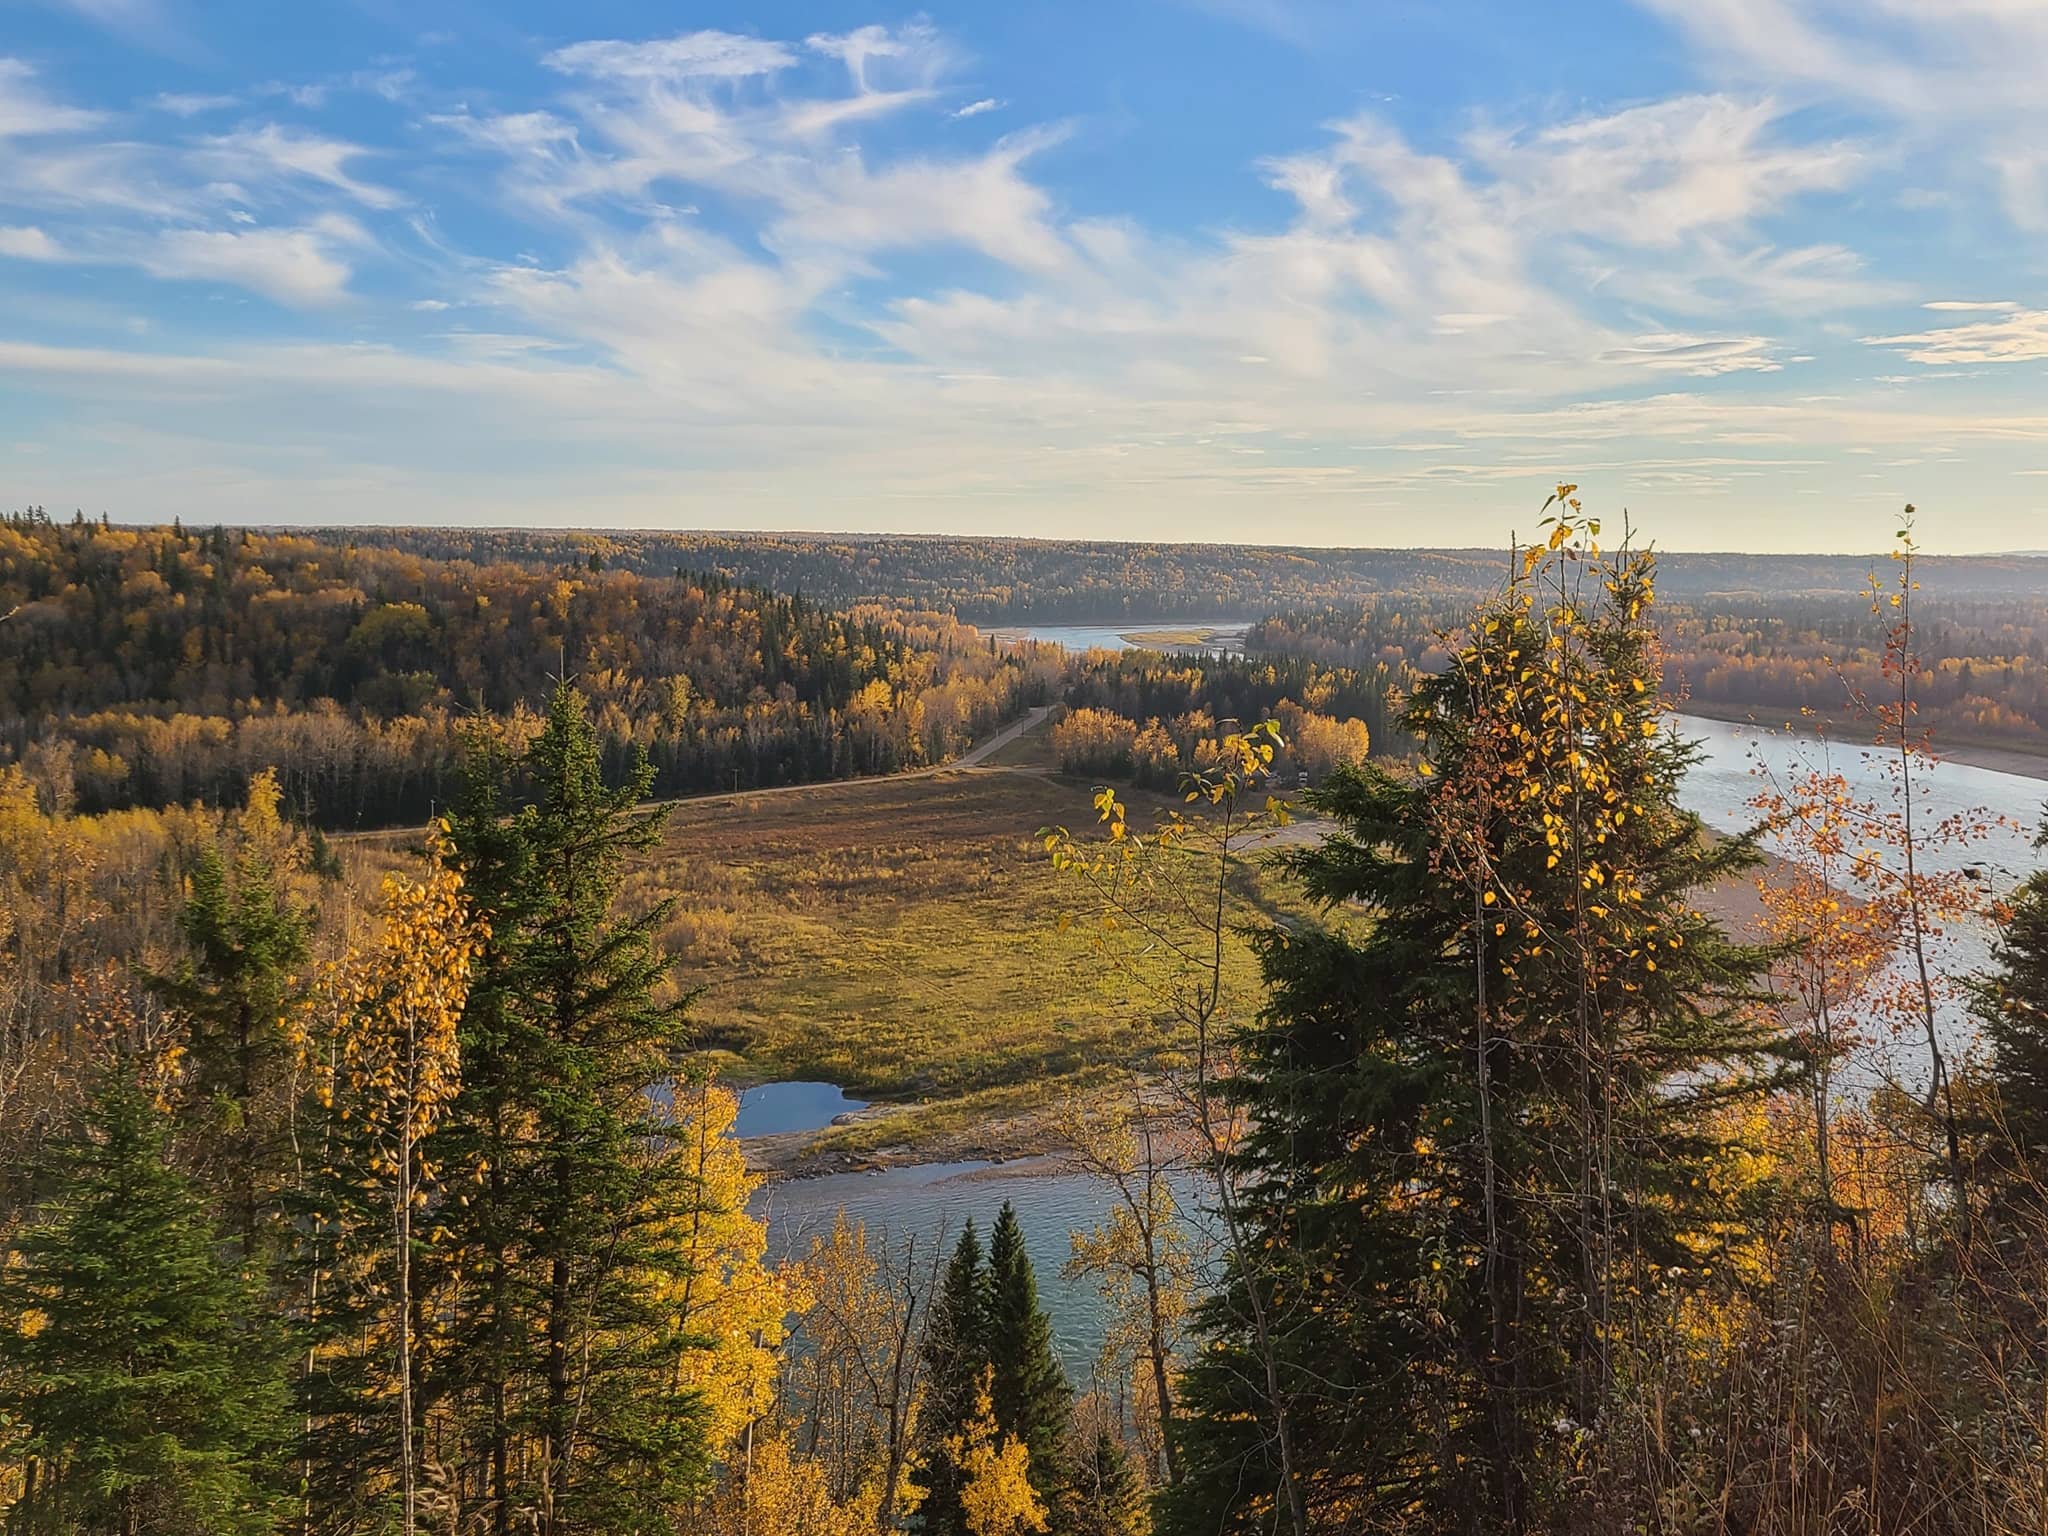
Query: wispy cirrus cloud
[[1968, 72], [270, 155], [27, 110], [2020, 336], [180, 210]]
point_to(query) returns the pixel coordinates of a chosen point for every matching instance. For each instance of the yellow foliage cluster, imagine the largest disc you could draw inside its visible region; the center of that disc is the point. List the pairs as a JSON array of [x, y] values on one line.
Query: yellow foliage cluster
[[995, 1475], [396, 1009], [723, 1292]]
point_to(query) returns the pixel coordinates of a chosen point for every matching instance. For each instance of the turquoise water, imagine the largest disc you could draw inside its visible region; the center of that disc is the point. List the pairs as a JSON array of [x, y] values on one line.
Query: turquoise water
[[930, 1204], [773, 1108]]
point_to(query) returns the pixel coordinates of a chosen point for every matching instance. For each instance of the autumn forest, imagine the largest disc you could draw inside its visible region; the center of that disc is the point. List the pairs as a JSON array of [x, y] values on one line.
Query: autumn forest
[[1368, 1092]]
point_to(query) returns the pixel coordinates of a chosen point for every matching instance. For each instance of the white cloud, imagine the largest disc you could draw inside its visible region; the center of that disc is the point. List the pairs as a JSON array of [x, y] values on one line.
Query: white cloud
[[982, 202], [297, 267], [1967, 73], [27, 243], [393, 84], [191, 104], [1655, 175], [666, 115], [27, 112], [976, 108], [310, 94], [2020, 337], [881, 58], [690, 56], [1995, 305], [1702, 356], [272, 154]]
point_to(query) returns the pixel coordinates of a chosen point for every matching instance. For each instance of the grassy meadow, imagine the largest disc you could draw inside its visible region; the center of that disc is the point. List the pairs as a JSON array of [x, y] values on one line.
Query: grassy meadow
[[903, 938]]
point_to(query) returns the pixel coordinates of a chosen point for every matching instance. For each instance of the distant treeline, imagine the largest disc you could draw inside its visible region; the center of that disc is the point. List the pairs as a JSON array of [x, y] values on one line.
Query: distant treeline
[[1154, 718], [1984, 656], [153, 667], [999, 581], [981, 581]]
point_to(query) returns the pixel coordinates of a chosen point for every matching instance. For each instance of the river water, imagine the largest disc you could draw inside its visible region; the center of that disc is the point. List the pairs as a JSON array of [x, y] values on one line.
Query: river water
[[1738, 761], [934, 1201], [1227, 639], [931, 1203]]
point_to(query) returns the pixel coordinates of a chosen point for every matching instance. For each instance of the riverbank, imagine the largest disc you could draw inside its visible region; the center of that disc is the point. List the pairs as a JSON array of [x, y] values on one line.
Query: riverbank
[[895, 1136], [1999, 759]]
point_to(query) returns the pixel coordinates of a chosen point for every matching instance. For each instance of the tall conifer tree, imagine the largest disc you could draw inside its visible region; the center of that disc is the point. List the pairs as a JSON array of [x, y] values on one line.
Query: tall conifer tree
[[1029, 1389], [142, 1387], [1486, 1126], [243, 971], [956, 1353], [571, 1219], [2012, 1007]]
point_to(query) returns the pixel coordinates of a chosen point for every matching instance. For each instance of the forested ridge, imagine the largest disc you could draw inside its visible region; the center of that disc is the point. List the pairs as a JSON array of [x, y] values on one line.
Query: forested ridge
[[1803, 657], [155, 666], [1768, 635], [996, 581], [982, 581]]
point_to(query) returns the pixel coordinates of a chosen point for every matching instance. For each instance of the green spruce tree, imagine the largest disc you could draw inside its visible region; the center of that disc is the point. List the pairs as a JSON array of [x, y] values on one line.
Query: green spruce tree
[[139, 1383], [1030, 1390], [956, 1353], [246, 949], [1486, 1125], [568, 1228], [2012, 1009], [1109, 1494]]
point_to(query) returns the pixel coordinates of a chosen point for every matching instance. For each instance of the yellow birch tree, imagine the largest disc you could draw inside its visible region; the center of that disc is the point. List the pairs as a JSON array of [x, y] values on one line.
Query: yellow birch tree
[[396, 1067]]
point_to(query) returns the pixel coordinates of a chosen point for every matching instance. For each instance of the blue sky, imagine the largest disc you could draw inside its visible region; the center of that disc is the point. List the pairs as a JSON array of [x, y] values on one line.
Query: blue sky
[[1292, 271]]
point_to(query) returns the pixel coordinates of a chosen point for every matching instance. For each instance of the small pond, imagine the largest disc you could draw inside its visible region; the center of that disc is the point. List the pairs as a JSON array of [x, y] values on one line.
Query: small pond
[[772, 1109]]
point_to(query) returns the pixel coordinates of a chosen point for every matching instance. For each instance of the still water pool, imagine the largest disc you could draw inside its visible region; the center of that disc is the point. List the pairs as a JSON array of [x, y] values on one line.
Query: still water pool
[[771, 1109]]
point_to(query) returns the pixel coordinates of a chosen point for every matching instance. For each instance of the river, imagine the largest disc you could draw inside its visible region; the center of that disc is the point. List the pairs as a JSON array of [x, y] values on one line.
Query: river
[[1735, 761], [932, 1202], [1225, 636]]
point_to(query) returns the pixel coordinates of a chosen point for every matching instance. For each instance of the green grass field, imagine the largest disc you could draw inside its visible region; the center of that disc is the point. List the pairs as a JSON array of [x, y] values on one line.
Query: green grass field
[[902, 937]]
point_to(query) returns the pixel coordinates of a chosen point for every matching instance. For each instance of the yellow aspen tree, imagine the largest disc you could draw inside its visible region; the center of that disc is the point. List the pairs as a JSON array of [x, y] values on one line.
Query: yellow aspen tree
[[722, 1294], [995, 1475], [859, 1387], [777, 1492], [397, 1067]]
